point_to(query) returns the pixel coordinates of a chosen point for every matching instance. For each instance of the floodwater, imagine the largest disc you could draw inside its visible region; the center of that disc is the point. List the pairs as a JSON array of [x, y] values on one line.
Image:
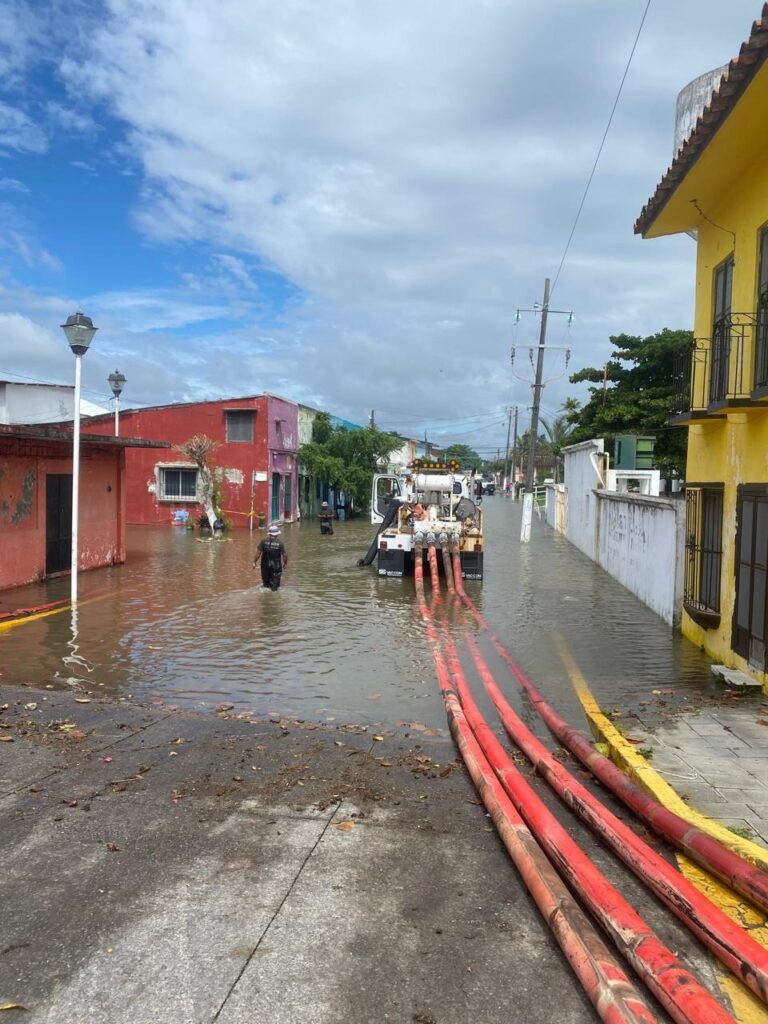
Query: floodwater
[[186, 620]]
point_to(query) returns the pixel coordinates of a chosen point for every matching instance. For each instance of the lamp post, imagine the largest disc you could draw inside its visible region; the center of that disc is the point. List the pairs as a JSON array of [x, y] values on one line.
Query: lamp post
[[79, 330], [116, 382]]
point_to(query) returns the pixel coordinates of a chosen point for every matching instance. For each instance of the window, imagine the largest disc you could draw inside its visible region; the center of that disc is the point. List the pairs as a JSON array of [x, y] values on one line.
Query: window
[[703, 553], [721, 332], [239, 424], [177, 484], [761, 351]]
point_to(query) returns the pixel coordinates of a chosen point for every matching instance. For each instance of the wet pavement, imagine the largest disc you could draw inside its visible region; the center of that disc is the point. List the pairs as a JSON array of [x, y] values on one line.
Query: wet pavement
[[165, 862], [185, 620]]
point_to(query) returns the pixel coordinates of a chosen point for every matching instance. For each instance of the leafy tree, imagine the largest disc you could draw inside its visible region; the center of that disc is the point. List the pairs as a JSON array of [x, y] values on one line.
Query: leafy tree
[[558, 432], [466, 457], [346, 459], [638, 395]]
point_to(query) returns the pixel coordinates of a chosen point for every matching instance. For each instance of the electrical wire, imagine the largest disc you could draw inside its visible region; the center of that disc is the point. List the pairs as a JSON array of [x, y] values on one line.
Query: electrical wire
[[53, 383], [600, 150]]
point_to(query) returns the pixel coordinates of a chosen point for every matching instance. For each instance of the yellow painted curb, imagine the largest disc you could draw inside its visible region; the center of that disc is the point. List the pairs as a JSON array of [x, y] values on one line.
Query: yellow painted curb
[[744, 1005], [624, 754], [23, 620]]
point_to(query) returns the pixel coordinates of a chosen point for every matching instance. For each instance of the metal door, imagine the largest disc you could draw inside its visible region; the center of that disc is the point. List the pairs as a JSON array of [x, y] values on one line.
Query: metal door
[[749, 617], [58, 522], [287, 497]]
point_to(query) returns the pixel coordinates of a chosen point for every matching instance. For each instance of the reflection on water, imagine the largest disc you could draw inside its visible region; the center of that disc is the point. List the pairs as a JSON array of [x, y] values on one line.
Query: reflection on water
[[186, 619]]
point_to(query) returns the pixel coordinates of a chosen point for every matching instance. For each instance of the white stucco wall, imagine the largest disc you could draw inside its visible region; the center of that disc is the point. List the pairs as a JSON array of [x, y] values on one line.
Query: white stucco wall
[[637, 539], [41, 403], [640, 543], [581, 480]]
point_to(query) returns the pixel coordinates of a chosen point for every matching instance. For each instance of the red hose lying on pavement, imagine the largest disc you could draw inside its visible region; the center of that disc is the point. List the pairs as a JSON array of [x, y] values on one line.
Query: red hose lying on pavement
[[728, 866], [733, 946], [681, 994], [609, 989]]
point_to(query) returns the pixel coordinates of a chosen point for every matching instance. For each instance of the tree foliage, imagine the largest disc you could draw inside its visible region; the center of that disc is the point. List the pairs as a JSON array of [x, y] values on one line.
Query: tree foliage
[[637, 398], [346, 459], [466, 457]]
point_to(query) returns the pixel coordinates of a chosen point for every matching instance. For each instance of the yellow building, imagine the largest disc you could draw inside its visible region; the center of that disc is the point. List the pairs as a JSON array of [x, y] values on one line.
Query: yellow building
[[717, 187]]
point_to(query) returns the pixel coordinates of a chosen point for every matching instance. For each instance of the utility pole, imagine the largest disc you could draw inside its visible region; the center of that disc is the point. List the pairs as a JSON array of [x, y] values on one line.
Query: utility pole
[[530, 469], [506, 450], [514, 458], [538, 387], [372, 420]]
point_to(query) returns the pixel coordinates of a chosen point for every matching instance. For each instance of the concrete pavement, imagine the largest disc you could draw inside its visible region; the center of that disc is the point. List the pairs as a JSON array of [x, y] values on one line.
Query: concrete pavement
[[165, 865]]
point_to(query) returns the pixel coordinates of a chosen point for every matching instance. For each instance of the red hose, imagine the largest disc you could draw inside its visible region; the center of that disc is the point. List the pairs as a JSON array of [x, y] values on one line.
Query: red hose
[[606, 984], [434, 572], [728, 866], [730, 944], [448, 571], [685, 999]]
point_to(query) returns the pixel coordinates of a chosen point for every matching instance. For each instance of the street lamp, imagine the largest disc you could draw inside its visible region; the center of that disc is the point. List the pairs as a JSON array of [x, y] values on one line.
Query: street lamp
[[79, 330], [116, 382]]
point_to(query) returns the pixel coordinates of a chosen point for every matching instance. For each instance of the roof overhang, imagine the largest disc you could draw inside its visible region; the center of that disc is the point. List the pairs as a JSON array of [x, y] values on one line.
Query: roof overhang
[[22, 432], [728, 137]]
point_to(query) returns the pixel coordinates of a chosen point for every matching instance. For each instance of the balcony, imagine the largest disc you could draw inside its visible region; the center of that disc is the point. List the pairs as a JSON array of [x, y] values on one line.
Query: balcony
[[728, 370]]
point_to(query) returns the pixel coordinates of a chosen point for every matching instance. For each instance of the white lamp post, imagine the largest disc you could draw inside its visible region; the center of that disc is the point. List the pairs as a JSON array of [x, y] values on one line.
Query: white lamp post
[[79, 330], [116, 382]]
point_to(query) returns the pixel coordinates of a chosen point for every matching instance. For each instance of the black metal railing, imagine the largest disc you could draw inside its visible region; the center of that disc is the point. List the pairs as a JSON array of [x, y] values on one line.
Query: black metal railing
[[722, 368]]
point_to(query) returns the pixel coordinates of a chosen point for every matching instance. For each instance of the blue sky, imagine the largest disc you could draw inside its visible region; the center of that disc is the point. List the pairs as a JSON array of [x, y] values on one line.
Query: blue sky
[[343, 203]]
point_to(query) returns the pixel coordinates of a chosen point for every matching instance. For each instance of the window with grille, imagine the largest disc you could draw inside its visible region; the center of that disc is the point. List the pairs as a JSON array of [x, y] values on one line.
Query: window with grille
[[239, 424], [703, 552], [177, 484]]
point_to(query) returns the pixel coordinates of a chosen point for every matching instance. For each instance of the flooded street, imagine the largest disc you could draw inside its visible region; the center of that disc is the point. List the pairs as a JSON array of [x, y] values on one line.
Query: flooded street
[[186, 620]]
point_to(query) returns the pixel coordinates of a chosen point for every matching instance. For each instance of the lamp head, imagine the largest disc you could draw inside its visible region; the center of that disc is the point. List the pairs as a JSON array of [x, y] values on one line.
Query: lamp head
[[116, 382], [79, 330]]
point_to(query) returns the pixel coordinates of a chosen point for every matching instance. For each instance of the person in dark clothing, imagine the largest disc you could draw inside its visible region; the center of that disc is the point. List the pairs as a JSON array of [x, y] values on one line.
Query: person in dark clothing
[[271, 554], [326, 518]]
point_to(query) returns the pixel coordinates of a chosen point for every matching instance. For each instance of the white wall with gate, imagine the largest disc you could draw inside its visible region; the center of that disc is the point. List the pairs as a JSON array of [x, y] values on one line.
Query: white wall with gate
[[638, 539]]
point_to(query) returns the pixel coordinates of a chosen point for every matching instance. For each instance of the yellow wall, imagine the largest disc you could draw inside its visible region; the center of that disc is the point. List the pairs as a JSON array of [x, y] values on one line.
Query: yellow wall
[[732, 450]]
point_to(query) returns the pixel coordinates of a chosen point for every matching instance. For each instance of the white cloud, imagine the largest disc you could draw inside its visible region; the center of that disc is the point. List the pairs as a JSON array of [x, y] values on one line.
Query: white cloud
[[19, 132], [413, 168]]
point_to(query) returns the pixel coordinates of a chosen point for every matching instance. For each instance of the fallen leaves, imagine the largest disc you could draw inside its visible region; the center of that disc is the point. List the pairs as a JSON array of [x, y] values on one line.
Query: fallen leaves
[[6, 739], [344, 826], [12, 1006]]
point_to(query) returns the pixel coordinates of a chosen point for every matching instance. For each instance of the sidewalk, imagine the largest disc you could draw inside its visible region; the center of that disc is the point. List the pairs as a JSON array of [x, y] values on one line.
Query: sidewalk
[[715, 759]]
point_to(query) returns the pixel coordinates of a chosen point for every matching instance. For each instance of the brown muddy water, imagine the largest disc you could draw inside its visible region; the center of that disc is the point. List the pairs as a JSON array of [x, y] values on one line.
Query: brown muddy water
[[186, 620]]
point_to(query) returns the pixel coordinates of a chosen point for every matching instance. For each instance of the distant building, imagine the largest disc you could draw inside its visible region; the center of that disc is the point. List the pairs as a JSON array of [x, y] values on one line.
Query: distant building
[[717, 187], [258, 439], [36, 501], [41, 403]]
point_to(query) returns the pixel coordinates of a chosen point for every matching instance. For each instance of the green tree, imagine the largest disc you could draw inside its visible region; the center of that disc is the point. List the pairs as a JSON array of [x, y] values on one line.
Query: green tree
[[466, 457], [633, 394], [346, 459]]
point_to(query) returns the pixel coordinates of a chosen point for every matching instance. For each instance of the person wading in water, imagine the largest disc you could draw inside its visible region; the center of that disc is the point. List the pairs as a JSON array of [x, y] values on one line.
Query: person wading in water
[[271, 554], [326, 518]]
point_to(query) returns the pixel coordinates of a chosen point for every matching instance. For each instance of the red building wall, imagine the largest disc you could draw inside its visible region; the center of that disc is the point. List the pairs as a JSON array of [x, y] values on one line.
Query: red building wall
[[238, 460], [24, 466]]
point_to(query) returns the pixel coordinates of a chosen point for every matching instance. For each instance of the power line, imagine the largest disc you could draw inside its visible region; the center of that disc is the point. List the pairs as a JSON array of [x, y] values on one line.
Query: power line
[[600, 149]]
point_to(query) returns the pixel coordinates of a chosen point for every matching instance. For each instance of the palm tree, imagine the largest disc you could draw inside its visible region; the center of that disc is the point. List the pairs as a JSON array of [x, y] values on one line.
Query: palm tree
[[557, 431]]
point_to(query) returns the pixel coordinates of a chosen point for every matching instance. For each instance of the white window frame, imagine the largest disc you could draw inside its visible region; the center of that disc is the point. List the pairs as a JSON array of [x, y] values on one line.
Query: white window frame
[[172, 499]]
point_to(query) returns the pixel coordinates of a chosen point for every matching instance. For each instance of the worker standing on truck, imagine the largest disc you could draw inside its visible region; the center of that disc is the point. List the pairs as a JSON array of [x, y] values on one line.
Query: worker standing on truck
[[272, 555], [326, 518]]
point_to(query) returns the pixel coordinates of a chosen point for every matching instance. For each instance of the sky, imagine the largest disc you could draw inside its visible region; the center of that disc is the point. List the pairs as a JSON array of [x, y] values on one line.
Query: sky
[[345, 202]]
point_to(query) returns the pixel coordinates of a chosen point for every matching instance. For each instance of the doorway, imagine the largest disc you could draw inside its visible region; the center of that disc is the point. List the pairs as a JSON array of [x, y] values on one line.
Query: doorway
[[58, 522], [748, 632], [276, 478]]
